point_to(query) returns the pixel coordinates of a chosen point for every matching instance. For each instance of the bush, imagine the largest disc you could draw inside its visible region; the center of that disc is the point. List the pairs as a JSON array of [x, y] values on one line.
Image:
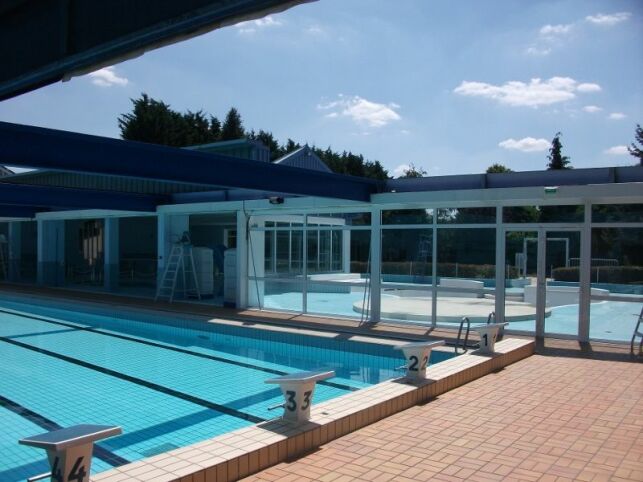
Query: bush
[[417, 268], [602, 274]]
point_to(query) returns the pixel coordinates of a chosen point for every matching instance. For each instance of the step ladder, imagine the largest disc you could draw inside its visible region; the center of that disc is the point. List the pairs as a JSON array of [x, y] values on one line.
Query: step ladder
[[638, 332], [180, 261]]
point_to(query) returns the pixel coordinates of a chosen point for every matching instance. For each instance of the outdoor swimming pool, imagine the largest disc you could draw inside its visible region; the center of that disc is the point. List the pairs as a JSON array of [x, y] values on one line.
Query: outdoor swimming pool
[[609, 320], [169, 381]]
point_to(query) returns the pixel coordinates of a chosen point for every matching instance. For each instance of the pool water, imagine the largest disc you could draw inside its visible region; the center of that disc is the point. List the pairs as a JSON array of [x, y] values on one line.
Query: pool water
[[609, 320], [168, 381]]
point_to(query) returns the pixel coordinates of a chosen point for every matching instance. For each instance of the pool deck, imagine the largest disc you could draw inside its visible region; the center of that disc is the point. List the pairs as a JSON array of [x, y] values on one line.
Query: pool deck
[[560, 415]]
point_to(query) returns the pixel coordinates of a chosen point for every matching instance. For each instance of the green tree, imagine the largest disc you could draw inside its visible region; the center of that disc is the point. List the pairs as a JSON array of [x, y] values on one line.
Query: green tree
[[633, 148], [232, 126], [155, 122], [412, 172], [497, 168], [556, 158]]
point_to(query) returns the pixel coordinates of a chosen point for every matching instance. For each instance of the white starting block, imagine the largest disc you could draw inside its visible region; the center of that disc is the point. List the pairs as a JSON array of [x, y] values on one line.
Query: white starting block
[[489, 335], [298, 390], [69, 450], [417, 357]]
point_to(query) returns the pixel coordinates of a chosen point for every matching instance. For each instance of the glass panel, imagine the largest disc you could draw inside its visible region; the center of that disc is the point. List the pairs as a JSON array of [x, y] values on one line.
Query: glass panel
[[617, 272], [339, 219], [521, 252], [269, 252], [282, 294], [562, 293], [624, 213], [466, 269], [137, 244], [4, 250], [84, 252], [406, 275], [466, 215], [344, 292], [407, 216], [543, 214], [28, 251]]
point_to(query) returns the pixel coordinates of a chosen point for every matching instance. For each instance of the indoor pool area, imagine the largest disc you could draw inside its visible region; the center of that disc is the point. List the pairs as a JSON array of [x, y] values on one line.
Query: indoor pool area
[[168, 381]]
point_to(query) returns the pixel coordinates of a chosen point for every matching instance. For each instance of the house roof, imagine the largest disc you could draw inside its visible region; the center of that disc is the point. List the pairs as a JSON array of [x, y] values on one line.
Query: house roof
[[305, 158]]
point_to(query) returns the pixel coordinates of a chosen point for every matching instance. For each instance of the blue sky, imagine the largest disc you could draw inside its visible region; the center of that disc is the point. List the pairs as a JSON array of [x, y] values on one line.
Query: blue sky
[[451, 87]]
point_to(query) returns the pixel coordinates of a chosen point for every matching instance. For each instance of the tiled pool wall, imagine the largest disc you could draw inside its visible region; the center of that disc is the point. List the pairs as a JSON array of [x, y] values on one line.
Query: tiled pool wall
[[246, 451]]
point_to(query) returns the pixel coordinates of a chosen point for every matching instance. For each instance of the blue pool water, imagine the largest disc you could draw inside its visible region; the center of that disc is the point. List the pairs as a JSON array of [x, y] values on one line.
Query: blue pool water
[[168, 381], [609, 320]]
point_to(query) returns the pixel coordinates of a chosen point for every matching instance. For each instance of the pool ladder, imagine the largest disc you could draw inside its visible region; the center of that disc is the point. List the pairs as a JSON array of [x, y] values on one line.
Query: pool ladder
[[490, 319], [637, 332], [465, 320]]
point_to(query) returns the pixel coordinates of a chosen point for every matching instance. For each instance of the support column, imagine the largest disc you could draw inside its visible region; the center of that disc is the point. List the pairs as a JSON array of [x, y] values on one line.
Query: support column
[[376, 264], [14, 254], [256, 264], [112, 254], [501, 271], [541, 284], [242, 260], [584, 297]]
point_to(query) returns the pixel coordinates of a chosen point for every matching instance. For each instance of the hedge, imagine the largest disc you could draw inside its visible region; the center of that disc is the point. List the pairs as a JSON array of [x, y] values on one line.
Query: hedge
[[417, 268], [603, 274]]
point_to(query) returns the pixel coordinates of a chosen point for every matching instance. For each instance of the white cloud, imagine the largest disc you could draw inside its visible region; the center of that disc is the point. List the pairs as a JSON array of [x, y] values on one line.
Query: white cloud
[[362, 111], [538, 51], [588, 88], [107, 77], [617, 151], [251, 26], [526, 144], [616, 116], [315, 30], [592, 109], [533, 94], [400, 170], [608, 19], [555, 30]]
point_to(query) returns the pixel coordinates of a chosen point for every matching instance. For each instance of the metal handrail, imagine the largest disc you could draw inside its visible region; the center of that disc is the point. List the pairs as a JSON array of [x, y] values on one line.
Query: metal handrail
[[35, 478], [466, 335], [492, 319], [637, 332]]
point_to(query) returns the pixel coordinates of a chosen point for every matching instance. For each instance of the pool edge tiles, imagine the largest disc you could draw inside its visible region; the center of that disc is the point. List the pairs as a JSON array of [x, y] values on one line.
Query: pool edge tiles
[[248, 450]]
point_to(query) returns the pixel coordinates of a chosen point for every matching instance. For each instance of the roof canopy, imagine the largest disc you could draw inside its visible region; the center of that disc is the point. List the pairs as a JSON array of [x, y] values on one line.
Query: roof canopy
[[36, 147], [47, 41]]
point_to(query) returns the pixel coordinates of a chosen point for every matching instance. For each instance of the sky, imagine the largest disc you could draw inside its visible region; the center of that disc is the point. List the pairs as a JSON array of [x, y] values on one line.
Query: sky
[[451, 87]]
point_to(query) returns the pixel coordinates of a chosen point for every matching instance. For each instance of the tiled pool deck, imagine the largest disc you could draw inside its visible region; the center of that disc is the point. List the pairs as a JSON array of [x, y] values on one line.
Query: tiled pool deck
[[543, 418]]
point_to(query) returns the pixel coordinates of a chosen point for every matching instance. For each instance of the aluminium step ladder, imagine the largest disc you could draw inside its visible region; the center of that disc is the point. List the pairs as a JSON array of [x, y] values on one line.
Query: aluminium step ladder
[[180, 261]]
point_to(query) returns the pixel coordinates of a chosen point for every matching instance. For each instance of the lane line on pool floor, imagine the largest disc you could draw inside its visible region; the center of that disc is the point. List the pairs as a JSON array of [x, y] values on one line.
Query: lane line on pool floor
[[139, 381], [43, 422], [98, 331]]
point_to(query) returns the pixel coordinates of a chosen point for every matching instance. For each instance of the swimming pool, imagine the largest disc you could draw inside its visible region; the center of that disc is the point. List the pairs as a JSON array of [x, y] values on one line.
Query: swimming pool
[[168, 380], [609, 320]]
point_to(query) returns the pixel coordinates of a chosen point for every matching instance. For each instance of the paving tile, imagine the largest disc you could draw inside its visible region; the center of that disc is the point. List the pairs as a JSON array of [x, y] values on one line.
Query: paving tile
[[541, 419]]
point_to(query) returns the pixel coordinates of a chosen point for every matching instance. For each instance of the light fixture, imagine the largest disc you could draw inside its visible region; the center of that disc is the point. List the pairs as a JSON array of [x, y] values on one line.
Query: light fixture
[[276, 200]]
